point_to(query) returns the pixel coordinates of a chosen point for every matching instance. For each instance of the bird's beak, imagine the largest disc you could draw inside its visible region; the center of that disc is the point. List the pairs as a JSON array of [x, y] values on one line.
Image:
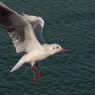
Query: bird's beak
[[63, 50]]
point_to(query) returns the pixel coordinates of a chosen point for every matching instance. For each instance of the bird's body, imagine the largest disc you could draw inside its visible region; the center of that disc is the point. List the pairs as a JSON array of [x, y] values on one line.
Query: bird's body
[[36, 55], [26, 34]]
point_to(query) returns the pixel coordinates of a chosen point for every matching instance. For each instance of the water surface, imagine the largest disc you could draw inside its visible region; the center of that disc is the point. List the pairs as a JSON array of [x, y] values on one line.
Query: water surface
[[70, 23]]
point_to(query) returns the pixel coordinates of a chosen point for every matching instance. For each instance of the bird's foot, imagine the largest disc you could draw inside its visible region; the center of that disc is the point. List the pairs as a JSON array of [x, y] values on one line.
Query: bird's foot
[[39, 74], [35, 78], [38, 70], [34, 75]]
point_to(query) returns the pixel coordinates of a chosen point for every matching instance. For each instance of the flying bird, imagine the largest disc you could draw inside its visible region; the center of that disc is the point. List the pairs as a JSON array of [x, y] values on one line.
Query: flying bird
[[26, 33]]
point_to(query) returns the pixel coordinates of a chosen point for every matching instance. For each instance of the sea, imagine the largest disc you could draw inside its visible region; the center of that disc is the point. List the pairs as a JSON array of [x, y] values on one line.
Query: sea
[[70, 23]]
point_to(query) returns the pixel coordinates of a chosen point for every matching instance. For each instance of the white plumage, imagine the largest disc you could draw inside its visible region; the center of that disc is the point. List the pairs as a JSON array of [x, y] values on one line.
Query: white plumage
[[26, 34]]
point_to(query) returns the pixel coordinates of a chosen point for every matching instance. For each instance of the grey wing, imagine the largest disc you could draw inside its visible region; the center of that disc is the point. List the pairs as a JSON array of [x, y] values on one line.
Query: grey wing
[[37, 24], [20, 30]]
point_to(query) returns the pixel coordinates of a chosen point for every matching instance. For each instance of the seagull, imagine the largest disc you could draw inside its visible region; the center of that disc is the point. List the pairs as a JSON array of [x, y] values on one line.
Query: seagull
[[26, 33]]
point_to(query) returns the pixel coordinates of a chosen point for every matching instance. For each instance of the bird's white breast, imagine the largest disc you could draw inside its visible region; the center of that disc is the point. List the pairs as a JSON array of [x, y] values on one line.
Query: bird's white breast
[[36, 55]]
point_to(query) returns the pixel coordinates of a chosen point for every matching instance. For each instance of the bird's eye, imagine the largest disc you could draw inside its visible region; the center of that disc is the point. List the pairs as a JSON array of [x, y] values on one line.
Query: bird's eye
[[57, 47]]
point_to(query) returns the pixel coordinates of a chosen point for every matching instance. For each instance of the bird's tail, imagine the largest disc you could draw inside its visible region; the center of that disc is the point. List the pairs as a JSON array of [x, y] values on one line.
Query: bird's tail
[[20, 63]]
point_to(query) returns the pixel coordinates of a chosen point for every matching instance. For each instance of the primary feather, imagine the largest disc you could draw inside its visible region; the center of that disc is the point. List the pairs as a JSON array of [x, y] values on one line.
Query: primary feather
[[20, 29]]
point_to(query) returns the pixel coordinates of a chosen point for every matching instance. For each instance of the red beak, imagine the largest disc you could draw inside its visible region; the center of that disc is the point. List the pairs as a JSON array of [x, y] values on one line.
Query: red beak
[[63, 50]]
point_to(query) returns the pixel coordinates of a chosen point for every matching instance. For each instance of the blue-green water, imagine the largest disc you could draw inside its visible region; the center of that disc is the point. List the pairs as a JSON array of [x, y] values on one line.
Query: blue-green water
[[70, 23]]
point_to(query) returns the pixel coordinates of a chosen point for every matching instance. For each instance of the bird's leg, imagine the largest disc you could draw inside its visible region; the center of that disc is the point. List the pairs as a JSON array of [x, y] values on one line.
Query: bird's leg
[[33, 74], [38, 70]]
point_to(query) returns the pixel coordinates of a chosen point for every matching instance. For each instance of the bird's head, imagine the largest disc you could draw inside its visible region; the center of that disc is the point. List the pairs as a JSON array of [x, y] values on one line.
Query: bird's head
[[55, 48]]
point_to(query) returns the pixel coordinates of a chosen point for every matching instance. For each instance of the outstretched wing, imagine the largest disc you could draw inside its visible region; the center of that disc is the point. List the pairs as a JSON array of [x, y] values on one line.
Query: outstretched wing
[[19, 29], [37, 24]]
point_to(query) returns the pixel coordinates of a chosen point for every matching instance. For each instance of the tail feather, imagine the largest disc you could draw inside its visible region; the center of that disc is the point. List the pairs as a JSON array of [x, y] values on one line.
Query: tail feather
[[20, 63]]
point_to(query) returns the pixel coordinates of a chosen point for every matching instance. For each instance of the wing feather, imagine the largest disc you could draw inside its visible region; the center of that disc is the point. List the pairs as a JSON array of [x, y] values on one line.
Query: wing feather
[[19, 29], [37, 24]]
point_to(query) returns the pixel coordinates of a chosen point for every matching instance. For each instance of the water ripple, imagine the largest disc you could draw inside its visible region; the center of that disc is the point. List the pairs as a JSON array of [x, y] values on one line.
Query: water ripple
[[69, 23]]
